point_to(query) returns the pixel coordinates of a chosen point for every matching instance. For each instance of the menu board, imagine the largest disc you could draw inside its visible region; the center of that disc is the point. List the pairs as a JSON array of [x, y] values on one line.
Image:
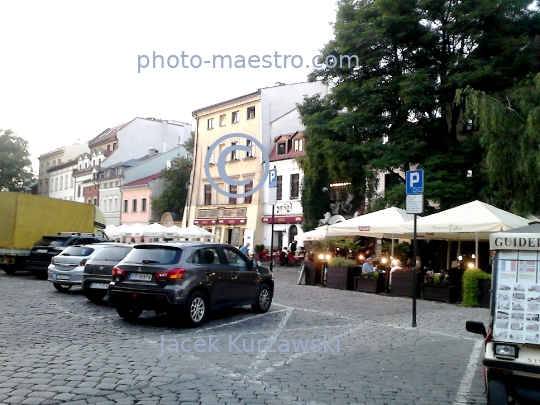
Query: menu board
[[517, 312]]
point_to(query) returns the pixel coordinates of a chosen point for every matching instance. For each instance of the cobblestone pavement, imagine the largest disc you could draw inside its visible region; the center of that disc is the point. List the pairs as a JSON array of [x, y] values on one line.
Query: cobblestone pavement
[[58, 348]]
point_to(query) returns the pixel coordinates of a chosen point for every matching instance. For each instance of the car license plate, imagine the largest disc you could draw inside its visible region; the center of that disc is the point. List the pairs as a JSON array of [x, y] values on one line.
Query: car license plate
[[41, 250], [61, 277], [99, 286], [138, 276]]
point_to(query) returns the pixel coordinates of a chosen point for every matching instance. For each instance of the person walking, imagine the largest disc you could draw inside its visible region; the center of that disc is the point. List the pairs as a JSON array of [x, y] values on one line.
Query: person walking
[[245, 249]]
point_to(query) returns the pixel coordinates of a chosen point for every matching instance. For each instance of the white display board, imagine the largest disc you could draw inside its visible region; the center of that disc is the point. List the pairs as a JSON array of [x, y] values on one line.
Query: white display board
[[517, 312]]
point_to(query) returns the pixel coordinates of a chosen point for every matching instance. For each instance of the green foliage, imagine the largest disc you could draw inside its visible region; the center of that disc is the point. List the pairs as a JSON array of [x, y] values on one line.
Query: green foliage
[[395, 109], [437, 279], [259, 248], [401, 250], [470, 286], [15, 171], [177, 177], [509, 130], [341, 262]]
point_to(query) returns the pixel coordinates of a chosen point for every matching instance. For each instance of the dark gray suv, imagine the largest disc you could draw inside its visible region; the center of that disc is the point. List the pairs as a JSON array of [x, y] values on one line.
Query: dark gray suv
[[188, 278]]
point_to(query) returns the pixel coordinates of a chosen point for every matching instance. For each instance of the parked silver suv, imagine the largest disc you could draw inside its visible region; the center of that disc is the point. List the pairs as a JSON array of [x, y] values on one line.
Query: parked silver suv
[[188, 278]]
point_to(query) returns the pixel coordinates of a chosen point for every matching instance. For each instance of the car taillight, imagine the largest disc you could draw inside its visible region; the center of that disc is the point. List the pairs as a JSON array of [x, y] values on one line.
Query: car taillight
[[52, 261], [117, 271], [173, 274], [83, 262], [489, 336]]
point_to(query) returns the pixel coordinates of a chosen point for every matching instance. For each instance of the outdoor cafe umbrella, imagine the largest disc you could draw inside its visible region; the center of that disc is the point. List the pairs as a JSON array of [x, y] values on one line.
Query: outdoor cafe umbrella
[[316, 234], [194, 231], [384, 223], [155, 230], [472, 221]]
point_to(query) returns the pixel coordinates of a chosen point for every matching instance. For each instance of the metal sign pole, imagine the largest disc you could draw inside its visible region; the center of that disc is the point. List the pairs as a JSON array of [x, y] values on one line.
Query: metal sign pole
[[272, 241], [414, 277]]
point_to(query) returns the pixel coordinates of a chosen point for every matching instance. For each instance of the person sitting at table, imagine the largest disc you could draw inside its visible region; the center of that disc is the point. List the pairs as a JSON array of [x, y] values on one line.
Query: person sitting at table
[[367, 267], [301, 252], [397, 267]]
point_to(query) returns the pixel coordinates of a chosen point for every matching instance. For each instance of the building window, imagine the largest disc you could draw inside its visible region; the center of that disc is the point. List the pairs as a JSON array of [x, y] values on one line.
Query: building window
[[134, 205], [114, 146], [115, 204], [125, 205], [96, 202], [72, 183], [295, 185], [211, 155], [234, 153], [251, 147], [250, 113], [56, 184], [222, 118], [143, 205], [279, 191], [79, 191], [281, 148], [61, 183], [105, 206], [248, 187], [298, 145], [232, 190], [109, 147], [210, 123], [207, 194], [235, 117]]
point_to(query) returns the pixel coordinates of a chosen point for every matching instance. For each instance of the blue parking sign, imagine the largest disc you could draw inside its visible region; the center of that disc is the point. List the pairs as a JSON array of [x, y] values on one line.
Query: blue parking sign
[[414, 182], [272, 178]]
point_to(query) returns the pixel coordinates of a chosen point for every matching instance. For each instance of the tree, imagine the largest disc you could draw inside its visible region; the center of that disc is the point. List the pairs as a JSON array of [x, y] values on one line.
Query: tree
[[177, 178], [508, 124], [15, 170], [395, 109]]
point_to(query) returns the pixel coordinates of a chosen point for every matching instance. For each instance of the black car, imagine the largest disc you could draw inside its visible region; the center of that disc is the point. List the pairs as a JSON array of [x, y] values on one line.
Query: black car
[[188, 278], [98, 270], [49, 246]]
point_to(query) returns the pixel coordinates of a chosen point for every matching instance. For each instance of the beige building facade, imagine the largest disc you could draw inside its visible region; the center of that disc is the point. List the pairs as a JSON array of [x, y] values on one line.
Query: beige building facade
[[262, 115]]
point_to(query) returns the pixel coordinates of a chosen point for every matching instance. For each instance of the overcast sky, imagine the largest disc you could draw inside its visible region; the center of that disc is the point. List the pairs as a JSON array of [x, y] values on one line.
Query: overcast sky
[[69, 69]]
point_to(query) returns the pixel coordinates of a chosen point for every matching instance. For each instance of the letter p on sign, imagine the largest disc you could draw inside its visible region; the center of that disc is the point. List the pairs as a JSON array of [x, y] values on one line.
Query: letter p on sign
[[415, 182]]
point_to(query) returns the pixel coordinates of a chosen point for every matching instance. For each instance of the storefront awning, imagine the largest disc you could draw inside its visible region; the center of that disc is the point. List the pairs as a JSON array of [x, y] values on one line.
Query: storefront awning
[[283, 219]]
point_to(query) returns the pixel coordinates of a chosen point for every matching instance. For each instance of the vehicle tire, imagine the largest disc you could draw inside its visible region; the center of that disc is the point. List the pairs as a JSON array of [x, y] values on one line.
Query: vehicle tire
[[264, 300], [196, 309], [62, 287], [129, 314], [497, 393], [10, 269], [95, 296]]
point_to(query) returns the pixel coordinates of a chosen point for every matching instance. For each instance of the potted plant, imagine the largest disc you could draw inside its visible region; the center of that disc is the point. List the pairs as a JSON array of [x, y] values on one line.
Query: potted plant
[[368, 282], [476, 288], [340, 273], [440, 290]]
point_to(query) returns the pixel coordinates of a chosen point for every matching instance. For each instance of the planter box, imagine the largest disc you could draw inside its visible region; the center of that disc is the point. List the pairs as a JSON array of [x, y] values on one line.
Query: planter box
[[369, 285], [402, 283], [313, 272], [484, 298], [341, 278], [442, 293]]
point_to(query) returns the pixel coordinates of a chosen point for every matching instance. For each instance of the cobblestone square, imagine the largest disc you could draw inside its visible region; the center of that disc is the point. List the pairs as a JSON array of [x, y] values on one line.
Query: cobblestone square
[[315, 346]]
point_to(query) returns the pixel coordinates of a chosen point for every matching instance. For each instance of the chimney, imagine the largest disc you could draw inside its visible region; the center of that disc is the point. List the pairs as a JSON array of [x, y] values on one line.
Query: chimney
[[165, 124]]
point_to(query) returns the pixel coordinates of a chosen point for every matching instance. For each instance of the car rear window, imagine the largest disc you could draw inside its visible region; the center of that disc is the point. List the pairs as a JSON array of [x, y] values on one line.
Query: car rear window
[[51, 241], [77, 251], [154, 255], [112, 253]]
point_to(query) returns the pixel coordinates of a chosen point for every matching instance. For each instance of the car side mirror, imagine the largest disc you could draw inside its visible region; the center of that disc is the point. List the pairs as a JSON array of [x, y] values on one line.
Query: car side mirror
[[476, 327]]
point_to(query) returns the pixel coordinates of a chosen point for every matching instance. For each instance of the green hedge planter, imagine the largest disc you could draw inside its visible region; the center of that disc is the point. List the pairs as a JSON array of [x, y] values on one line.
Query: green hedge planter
[[471, 288]]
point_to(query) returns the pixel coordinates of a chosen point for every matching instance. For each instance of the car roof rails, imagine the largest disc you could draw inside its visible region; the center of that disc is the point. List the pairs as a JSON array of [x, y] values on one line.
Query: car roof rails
[[76, 233]]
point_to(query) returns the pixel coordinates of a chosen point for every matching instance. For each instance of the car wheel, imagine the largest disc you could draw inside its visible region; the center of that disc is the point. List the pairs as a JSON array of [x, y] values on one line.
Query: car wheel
[[497, 393], [129, 314], [62, 287], [264, 300], [196, 309], [95, 296], [10, 269]]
